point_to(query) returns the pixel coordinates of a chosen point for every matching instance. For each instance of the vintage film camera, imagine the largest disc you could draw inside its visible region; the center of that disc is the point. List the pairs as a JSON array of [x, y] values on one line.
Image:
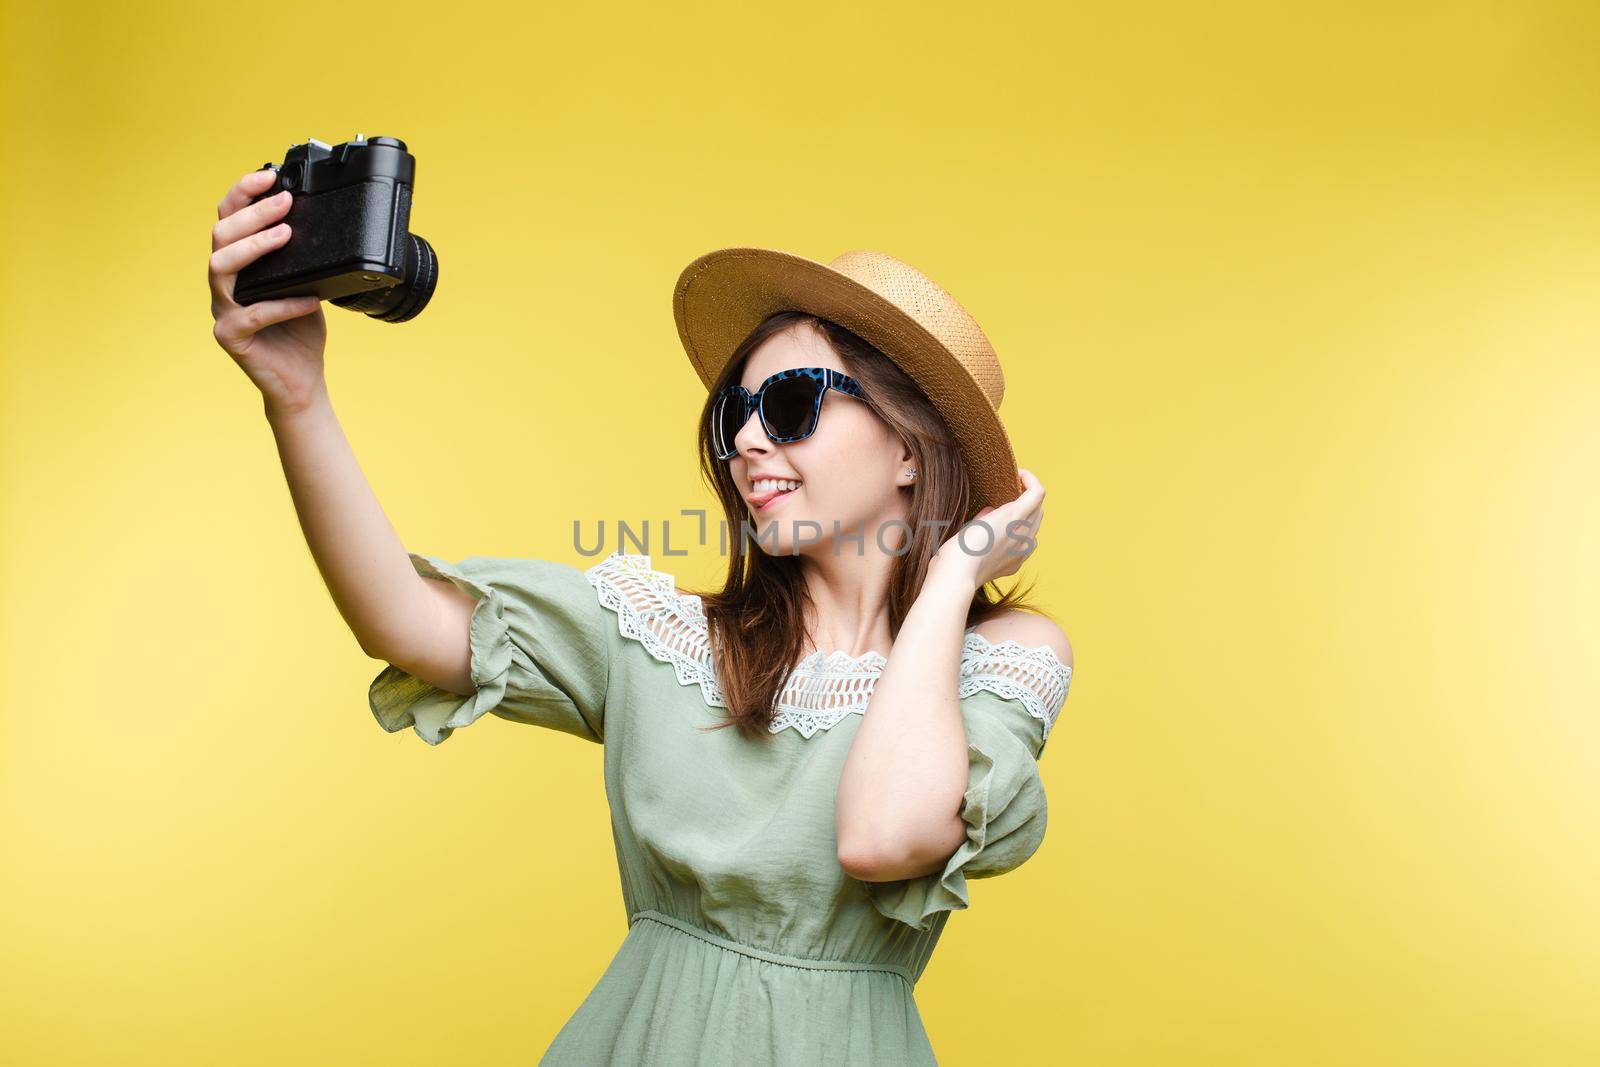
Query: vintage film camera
[[350, 241]]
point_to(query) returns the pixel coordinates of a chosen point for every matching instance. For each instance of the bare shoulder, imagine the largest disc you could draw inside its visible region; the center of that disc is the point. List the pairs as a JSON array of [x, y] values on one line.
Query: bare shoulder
[[1030, 630]]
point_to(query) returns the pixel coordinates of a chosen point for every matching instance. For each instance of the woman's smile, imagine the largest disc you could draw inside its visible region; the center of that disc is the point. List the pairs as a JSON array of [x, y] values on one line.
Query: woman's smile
[[766, 492]]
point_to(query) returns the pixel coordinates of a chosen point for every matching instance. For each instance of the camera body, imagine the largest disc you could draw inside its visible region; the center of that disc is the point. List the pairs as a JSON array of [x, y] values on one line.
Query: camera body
[[350, 241]]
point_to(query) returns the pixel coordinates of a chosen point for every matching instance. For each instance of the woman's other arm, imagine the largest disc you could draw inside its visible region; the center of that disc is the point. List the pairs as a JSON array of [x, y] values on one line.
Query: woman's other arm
[[897, 811]]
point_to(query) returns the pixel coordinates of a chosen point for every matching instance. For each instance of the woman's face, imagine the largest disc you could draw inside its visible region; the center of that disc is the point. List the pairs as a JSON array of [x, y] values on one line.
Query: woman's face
[[849, 470]]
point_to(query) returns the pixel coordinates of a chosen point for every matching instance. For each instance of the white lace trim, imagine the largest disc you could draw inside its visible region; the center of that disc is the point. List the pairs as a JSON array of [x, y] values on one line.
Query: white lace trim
[[821, 690], [670, 625], [823, 687], [1035, 676]]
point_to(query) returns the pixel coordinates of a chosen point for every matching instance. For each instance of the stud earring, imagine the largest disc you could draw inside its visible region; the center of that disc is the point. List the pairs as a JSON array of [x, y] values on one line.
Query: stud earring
[[911, 472]]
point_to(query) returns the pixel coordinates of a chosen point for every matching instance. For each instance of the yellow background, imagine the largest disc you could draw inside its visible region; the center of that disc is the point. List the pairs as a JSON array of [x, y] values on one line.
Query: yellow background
[[1297, 310]]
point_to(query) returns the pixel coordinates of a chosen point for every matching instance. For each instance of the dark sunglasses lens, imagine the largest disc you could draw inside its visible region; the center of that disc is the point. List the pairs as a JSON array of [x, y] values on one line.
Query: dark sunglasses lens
[[790, 407]]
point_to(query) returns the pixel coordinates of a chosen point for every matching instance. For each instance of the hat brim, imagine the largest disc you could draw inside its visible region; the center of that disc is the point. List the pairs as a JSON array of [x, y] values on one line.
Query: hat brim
[[723, 295]]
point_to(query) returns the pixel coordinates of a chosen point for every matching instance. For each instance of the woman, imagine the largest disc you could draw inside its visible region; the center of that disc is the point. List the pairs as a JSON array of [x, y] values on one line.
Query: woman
[[804, 767]]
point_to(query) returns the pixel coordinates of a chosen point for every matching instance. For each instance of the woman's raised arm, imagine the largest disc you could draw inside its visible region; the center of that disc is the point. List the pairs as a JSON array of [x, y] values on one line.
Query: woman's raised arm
[[394, 613]]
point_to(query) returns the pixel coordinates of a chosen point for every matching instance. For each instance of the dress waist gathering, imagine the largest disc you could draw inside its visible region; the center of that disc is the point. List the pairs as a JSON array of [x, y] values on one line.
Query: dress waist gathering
[[678, 993], [809, 963]]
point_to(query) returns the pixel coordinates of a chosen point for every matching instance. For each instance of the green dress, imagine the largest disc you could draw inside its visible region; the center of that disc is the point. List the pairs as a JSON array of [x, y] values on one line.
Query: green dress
[[747, 943]]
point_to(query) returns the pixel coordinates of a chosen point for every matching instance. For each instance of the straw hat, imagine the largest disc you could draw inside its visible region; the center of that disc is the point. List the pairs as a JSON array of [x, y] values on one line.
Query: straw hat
[[725, 294]]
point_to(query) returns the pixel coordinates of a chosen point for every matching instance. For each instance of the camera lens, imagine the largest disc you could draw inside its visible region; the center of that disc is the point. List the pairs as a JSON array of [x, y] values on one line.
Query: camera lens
[[406, 300]]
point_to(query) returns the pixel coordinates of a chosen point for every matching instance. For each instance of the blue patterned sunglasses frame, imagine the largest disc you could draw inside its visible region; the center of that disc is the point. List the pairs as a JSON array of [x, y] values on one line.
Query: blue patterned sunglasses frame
[[782, 431]]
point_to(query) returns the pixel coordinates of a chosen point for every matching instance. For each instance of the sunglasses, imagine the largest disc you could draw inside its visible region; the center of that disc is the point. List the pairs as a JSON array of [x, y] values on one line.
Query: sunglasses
[[788, 403]]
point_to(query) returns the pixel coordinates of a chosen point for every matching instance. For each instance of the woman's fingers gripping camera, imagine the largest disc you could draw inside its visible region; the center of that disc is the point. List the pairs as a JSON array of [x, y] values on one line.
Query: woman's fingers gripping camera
[[229, 260], [251, 185], [244, 232], [238, 238]]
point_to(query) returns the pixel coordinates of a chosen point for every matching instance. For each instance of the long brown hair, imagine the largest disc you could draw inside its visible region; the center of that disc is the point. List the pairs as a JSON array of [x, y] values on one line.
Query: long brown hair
[[756, 621]]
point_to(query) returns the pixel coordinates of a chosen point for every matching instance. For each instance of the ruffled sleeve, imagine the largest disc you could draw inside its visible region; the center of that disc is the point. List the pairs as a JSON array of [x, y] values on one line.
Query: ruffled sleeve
[[1010, 699], [541, 652]]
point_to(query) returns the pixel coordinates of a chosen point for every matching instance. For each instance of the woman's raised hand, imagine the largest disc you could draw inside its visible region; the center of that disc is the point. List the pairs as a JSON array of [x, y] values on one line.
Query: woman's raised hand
[[277, 343], [982, 557]]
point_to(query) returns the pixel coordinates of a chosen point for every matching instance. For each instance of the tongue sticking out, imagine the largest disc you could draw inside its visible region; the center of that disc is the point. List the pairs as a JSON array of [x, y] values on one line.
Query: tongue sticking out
[[775, 497]]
